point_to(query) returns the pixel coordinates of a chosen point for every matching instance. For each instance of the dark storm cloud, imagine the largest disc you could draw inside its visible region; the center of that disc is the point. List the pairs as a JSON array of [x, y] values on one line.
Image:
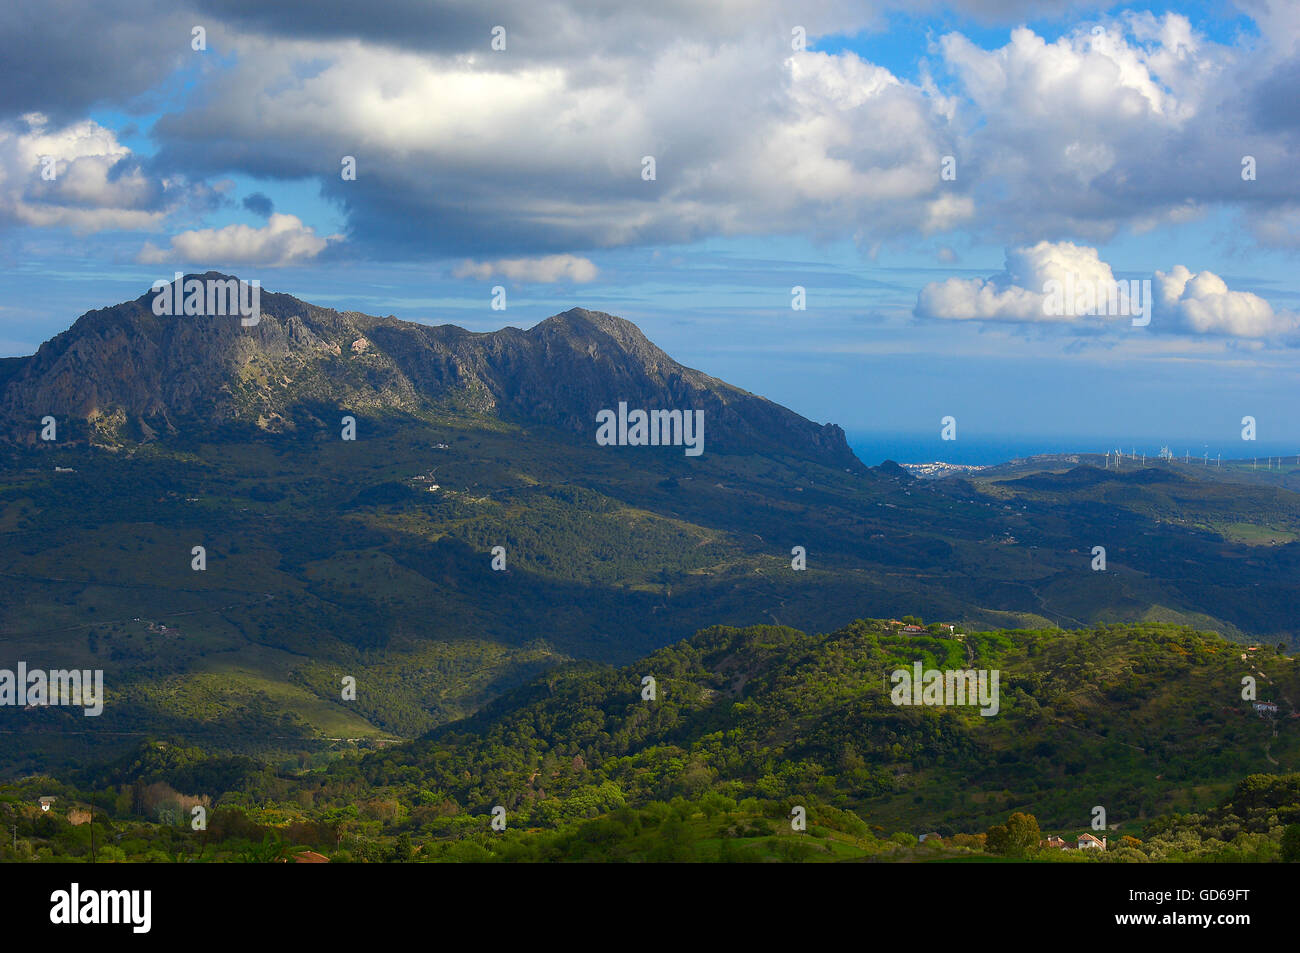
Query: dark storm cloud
[[64, 56], [413, 24], [259, 204], [536, 29], [1274, 104]]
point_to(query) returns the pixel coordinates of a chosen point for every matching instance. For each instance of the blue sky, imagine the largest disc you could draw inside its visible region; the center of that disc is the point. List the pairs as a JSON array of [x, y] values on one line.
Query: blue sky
[[1093, 141]]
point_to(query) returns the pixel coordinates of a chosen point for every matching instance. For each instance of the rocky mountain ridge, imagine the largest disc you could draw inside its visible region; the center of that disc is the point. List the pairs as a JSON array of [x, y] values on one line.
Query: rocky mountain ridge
[[128, 374]]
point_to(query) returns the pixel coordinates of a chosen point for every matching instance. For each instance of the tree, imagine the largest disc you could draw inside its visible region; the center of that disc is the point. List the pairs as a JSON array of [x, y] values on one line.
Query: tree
[[672, 843], [1014, 838], [1023, 832], [403, 852], [271, 850], [1291, 843], [995, 839]]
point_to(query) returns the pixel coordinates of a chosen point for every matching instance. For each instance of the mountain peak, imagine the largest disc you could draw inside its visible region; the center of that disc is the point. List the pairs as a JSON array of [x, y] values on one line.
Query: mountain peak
[[124, 371], [582, 317], [184, 277], [594, 325]]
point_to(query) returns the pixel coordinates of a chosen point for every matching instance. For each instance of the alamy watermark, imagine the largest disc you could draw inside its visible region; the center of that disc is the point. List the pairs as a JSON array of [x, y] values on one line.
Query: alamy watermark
[[653, 428], [73, 906], [922, 686], [37, 687], [1107, 298], [209, 297]]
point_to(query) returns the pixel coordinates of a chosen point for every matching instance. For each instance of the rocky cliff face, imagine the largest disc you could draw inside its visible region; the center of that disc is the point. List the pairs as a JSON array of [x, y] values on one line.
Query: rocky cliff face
[[130, 374]]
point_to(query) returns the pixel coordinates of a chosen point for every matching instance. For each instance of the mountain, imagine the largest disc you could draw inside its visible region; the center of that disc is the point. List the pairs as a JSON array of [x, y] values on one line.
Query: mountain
[[128, 372], [475, 534]]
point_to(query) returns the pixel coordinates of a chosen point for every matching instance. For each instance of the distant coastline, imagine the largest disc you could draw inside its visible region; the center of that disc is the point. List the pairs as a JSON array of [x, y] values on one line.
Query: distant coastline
[[972, 449]]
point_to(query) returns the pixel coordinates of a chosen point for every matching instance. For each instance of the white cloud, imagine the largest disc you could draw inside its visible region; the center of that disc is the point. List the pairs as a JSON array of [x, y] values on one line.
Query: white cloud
[[1139, 123], [1135, 122], [97, 183], [749, 138], [284, 240], [1202, 303], [545, 270], [947, 212], [974, 299], [1181, 301], [1019, 292], [1278, 225]]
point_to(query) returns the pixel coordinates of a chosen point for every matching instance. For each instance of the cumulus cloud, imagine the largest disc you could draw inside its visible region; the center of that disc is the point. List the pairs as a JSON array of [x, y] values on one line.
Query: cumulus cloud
[[1138, 121], [483, 155], [76, 175], [544, 270], [284, 240], [1180, 301], [1201, 302], [1020, 292]]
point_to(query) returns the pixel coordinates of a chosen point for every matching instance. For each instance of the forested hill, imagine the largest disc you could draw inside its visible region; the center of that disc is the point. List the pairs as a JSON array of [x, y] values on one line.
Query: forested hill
[[1141, 719], [1147, 722]]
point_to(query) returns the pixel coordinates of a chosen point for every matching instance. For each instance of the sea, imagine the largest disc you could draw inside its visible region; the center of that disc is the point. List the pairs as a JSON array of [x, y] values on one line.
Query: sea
[[987, 450]]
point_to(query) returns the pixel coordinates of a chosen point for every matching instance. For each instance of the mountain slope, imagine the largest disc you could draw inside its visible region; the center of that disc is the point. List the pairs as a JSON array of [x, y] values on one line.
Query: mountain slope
[[132, 373], [373, 558]]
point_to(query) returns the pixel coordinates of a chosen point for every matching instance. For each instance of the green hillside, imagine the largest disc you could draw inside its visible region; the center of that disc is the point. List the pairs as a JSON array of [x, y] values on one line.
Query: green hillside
[[328, 559], [1146, 721]]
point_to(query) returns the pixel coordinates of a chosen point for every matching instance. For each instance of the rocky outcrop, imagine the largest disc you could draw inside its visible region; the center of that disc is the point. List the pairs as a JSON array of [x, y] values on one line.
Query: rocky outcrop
[[129, 374]]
